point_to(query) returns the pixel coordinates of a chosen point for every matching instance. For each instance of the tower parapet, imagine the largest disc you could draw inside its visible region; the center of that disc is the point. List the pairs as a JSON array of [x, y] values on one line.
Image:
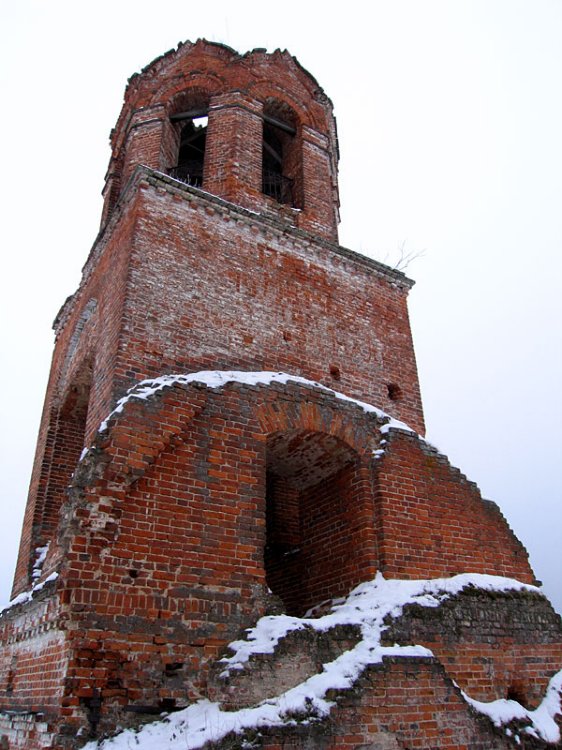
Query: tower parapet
[[254, 129]]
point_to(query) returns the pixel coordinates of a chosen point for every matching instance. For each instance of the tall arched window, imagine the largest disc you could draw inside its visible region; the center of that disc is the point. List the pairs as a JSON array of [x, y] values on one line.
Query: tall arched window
[[65, 443], [185, 149], [281, 157], [191, 153]]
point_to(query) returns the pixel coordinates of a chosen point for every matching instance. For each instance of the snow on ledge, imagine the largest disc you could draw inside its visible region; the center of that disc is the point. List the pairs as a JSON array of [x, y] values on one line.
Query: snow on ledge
[[542, 724], [219, 378], [27, 596], [367, 606]]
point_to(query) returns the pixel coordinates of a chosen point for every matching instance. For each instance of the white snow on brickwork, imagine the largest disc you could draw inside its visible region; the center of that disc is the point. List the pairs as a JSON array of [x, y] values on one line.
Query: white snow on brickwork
[[366, 607], [541, 721], [219, 378], [27, 596], [41, 555]]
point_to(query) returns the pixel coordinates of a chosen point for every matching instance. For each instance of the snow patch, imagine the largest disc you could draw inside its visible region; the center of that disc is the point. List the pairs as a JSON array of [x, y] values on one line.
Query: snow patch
[[40, 557], [27, 596], [542, 724], [219, 378], [367, 606]]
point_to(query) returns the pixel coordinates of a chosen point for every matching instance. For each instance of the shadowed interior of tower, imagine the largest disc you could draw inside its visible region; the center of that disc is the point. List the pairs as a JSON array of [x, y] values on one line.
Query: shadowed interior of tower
[[309, 490]]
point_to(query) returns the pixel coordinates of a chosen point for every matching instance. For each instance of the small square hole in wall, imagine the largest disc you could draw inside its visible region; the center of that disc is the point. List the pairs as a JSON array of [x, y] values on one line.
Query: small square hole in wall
[[394, 392], [335, 372], [517, 692]]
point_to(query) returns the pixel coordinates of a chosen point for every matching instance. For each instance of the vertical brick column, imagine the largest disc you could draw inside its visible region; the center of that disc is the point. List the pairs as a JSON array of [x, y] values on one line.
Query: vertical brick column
[[143, 143], [233, 157], [320, 214]]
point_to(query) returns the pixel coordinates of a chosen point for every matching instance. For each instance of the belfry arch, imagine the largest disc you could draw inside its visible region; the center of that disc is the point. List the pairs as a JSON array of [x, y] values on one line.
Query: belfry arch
[[313, 491], [185, 145], [281, 154]]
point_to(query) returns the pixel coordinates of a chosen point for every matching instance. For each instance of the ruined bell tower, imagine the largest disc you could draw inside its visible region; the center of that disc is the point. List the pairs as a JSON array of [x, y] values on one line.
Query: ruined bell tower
[[217, 250], [232, 425]]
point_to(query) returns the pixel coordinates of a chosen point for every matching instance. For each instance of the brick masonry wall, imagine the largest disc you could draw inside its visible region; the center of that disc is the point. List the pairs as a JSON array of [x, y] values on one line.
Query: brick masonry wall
[[179, 280], [87, 338], [159, 535], [33, 656], [162, 555], [433, 521], [29, 731], [297, 657], [164, 563], [163, 558], [256, 298], [400, 705], [234, 292], [478, 638], [494, 645]]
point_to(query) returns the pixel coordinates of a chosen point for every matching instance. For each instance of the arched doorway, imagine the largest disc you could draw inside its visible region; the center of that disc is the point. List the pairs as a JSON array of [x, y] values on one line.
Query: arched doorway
[[313, 496]]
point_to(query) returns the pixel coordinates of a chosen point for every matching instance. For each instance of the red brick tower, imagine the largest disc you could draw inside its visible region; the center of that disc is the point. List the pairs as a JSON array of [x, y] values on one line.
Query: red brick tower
[[208, 499], [235, 267]]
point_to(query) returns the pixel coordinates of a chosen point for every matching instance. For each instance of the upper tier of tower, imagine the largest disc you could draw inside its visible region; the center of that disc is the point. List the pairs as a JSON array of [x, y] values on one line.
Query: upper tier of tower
[[254, 129]]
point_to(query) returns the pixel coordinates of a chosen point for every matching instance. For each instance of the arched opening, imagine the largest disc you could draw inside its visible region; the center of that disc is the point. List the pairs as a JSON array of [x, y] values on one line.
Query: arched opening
[[191, 153], [190, 128], [67, 445], [312, 497], [281, 157]]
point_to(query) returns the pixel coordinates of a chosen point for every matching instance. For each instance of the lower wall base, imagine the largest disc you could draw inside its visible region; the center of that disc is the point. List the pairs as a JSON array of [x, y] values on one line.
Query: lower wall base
[[25, 730]]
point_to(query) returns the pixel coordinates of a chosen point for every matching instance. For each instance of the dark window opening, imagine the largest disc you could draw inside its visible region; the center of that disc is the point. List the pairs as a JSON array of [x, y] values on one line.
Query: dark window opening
[[191, 155], [275, 183], [281, 165]]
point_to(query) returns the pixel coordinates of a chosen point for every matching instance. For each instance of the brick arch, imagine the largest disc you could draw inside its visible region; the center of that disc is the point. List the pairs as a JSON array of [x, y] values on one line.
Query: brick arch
[[196, 93], [86, 320], [205, 456], [135, 435], [183, 148], [264, 90], [314, 548], [282, 157], [321, 538], [65, 435], [141, 427], [185, 93], [308, 409]]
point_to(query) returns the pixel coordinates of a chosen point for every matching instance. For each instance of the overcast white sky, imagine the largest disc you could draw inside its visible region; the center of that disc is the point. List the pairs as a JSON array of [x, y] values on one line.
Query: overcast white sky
[[450, 121]]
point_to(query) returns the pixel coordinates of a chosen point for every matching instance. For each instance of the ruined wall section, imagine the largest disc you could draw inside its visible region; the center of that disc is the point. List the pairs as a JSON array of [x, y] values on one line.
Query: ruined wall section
[[33, 655], [33, 666], [163, 546], [433, 521], [494, 644], [402, 703], [164, 550]]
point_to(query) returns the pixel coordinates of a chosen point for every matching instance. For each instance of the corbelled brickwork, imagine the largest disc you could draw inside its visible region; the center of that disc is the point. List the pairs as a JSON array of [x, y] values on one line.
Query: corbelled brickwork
[[223, 489]]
